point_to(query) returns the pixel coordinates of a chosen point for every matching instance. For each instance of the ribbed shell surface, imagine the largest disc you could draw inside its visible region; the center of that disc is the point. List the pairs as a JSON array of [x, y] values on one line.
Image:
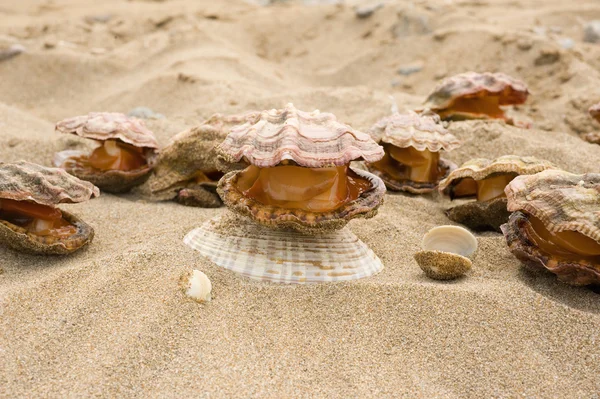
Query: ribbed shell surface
[[473, 84], [561, 200], [24, 181], [481, 168], [310, 139], [421, 131], [109, 125]]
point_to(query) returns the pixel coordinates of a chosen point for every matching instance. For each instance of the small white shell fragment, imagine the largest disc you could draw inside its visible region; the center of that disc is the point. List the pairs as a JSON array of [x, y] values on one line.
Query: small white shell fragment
[[453, 239], [199, 287]]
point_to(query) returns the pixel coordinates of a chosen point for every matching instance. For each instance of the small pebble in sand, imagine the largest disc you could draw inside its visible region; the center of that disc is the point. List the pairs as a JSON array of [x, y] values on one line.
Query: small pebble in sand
[[410, 69], [368, 10], [566, 43], [591, 32], [197, 286], [10, 52], [445, 252], [145, 113]]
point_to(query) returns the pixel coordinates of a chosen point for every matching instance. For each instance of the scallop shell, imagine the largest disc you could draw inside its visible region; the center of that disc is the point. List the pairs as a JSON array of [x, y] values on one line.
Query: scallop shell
[[24, 181], [481, 168], [20, 240], [446, 252], [189, 152], [104, 126], [283, 256], [453, 239], [509, 91], [563, 201], [197, 286], [421, 131], [364, 206], [483, 215], [310, 139]]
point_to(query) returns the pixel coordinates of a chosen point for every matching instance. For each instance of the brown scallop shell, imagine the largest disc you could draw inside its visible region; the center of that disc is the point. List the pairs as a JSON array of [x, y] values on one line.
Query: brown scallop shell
[[483, 215], [509, 91], [18, 239], [421, 131], [562, 201], [310, 139], [188, 153], [24, 181], [364, 206], [102, 126]]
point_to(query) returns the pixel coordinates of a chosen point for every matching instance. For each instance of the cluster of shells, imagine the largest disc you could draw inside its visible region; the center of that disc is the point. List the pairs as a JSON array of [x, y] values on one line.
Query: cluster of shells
[[289, 177]]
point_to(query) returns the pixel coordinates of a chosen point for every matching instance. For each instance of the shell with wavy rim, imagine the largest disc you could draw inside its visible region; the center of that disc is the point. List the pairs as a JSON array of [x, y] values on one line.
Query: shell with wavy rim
[[283, 256], [473, 95], [446, 252], [490, 214], [421, 132], [186, 170], [302, 139], [27, 182], [562, 202], [104, 126]]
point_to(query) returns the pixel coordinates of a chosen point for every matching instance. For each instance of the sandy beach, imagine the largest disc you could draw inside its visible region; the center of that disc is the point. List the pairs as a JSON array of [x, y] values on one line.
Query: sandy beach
[[111, 320]]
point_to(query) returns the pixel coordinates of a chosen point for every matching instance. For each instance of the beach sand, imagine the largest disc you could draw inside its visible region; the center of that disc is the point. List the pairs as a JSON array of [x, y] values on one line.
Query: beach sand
[[111, 320]]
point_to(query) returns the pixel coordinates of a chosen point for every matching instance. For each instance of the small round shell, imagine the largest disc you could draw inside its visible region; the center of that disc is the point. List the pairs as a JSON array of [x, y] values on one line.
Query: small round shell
[[481, 168], [364, 206], [454, 239], [472, 84], [188, 153], [283, 256], [446, 252], [421, 131], [25, 181], [197, 286], [310, 139], [103, 126]]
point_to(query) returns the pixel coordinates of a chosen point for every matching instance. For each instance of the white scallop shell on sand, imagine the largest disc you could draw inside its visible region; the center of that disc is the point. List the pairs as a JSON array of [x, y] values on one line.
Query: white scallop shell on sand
[[284, 256]]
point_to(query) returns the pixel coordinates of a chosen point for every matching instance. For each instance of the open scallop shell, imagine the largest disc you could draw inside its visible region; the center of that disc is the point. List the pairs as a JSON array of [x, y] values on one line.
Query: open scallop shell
[[284, 256], [446, 252]]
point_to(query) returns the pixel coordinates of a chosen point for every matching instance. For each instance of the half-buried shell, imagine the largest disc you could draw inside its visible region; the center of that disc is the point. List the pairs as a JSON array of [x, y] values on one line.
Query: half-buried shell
[[556, 224], [125, 155], [29, 219], [485, 180], [412, 145], [297, 171], [446, 252], [283, 256], [186, 170], [473, 95]]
